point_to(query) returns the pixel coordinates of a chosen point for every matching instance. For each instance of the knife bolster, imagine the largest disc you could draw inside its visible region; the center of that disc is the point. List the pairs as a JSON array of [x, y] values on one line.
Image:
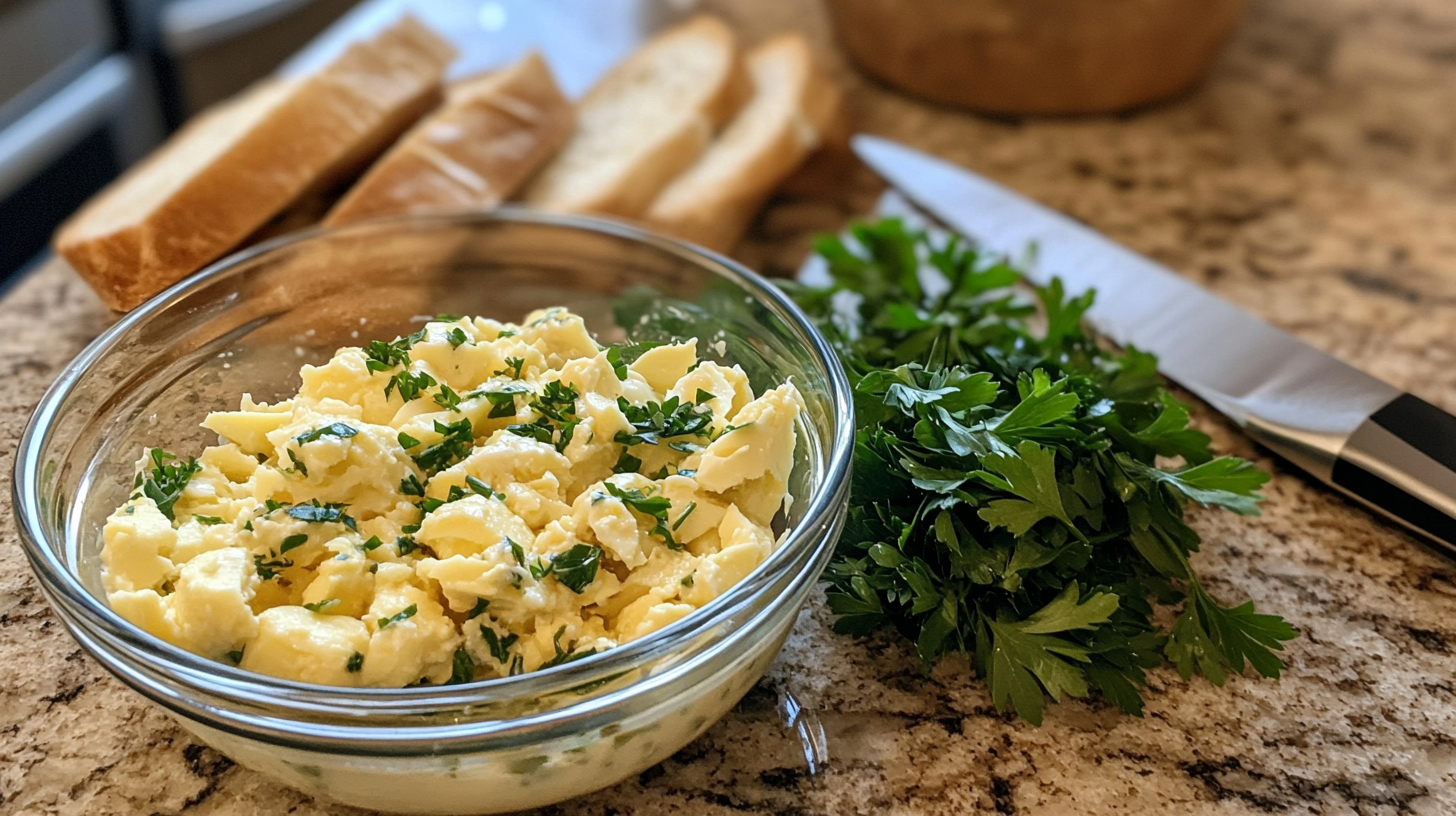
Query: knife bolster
[[1402, 462]]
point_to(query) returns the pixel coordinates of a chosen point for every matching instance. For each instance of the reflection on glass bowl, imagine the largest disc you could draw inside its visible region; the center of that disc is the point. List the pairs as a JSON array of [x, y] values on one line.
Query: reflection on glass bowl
[[247, 324]]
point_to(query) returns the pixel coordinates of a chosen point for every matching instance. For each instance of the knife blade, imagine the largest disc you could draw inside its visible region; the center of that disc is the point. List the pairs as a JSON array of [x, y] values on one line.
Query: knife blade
[[1389, 450]]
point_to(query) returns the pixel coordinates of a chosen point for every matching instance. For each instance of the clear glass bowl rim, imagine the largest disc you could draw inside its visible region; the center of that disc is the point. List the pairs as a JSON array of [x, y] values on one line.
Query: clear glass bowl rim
[[63, 587]]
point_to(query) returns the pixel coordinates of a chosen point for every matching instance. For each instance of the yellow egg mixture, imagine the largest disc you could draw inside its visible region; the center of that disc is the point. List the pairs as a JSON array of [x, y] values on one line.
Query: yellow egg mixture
[[476, 500]]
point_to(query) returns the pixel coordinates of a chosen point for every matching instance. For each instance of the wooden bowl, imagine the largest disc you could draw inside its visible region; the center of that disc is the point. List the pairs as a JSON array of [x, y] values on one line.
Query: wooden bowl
[[1036, 56]]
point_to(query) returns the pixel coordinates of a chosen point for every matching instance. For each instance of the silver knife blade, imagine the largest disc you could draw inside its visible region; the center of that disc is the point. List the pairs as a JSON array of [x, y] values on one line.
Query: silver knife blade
[[1385, 448], [1248, 370]]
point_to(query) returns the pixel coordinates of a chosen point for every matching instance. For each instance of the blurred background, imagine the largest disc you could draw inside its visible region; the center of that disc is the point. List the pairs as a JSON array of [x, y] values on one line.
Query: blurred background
[[89, 86], [1345, 107]]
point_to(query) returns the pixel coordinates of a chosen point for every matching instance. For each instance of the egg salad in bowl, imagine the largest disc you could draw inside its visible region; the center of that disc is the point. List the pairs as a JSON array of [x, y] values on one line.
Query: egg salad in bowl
[[483, 566], [478, 499]]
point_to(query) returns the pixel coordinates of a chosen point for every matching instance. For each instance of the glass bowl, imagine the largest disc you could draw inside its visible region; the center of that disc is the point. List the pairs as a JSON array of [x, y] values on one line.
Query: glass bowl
[[248, 322]]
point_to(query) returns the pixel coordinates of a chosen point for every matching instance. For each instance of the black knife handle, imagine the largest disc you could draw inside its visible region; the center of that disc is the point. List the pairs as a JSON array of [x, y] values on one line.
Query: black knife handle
[[1401, 461]]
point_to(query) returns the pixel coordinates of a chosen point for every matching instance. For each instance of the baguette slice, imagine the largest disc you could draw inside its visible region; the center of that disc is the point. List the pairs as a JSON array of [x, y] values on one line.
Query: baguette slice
[[644, 122], [794, 104], [492, 134], [228, 172]]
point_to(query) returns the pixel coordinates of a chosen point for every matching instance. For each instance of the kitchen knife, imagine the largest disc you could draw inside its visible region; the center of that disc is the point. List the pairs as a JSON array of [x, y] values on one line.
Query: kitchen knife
[[1389, 450]]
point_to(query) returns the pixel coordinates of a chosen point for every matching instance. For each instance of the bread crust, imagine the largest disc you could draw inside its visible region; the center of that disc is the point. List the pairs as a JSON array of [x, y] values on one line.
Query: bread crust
[[795, 107], [229, 172], [660, 147], [493, 132]]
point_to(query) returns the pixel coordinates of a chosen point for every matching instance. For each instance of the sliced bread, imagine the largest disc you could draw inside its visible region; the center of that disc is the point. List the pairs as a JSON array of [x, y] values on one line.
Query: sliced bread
[[234, 168], [646, 121], [493, 132], [794, 103]]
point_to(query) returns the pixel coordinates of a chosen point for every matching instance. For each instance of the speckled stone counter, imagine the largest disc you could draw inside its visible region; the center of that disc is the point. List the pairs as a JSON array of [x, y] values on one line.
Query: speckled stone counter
[[1312, 180]]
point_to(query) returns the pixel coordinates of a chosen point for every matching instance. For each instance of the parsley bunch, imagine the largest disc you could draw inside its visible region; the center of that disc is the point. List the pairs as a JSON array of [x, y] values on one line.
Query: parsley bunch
[[1011, 498]]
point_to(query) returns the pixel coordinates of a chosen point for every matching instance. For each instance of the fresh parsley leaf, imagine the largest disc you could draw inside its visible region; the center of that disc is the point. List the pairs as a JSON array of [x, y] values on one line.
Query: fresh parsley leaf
[[539, 431], [566, 434], [503, 401], [614, 358], [565, 655], [556, 402], [683, 516], [1031, 475], [293, 542], [622, 355], [338, 430], [164, 482], [513, 369], [317, 513], [1223, 482], [355, 664], [626, 463], [409, 384], [1043, 403], [1218, 640], [1012, 498], [406, 441], [457, 438], [322, 606], [1063, 314], [430, 505], [411, 486], [635, 498], [478, 487], [557, 424], [500, 647], [576, 568], [207, 521], [462, 668], [402, 615], [298, 464], [481, 604], [268, 567], [654, 423], [1036, 648], [457, 337], [654, 506], [447, 398], [389, 356]]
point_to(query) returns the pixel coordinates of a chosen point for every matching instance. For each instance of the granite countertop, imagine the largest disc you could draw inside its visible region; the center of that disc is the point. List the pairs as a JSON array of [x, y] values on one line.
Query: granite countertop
[[1312, 180]]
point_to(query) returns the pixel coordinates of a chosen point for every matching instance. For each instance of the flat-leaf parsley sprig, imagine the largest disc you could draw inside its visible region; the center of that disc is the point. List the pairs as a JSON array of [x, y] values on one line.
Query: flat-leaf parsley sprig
[[1012, 499]]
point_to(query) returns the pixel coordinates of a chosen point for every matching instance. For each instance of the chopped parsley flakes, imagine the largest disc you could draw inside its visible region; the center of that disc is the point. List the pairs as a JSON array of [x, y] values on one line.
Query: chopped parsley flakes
[[402, 615]]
